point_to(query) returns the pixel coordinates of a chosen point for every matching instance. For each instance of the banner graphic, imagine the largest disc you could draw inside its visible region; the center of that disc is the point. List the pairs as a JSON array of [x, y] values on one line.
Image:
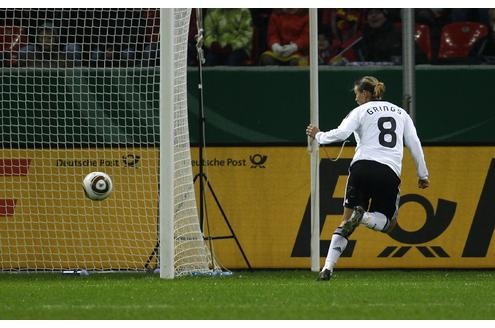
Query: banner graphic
[[257, 202], [266, 200]]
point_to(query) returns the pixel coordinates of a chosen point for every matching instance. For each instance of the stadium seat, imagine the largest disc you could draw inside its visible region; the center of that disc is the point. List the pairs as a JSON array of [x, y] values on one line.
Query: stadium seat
[[11, 40], [460, 39], [423, 39]]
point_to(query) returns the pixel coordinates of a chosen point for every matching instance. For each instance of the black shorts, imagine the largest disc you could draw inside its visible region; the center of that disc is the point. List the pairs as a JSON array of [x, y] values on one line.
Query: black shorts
[[374, 186]]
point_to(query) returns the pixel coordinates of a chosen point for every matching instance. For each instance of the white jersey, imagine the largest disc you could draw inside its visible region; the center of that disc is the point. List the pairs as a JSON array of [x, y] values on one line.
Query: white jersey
[[380, 129]]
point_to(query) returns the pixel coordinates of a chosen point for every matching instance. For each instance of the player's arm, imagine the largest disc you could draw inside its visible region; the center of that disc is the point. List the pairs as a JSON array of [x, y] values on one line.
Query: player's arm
[[412, 142], [342, 132]]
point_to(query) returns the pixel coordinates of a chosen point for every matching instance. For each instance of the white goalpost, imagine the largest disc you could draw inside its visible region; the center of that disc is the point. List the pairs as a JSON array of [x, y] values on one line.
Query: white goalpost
[[86, 90], [167, 168], [313, 145], [182, 243]]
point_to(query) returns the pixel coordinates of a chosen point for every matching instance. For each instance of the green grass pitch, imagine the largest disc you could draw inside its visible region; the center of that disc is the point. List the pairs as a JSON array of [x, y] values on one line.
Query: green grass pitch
[[285, 294]]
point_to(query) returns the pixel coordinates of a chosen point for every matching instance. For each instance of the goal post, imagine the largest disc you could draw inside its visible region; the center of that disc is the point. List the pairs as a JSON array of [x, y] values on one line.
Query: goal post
[[166, 208], [313, 146], [86, 90], [182, 246]]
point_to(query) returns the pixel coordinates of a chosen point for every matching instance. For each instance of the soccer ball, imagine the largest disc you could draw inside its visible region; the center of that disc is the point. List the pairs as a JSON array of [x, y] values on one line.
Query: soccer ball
[[97, 185]]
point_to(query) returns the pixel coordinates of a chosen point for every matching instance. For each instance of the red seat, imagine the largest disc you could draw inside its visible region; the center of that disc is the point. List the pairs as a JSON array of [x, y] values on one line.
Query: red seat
[[423, 39], [457, 40], [11, 40]]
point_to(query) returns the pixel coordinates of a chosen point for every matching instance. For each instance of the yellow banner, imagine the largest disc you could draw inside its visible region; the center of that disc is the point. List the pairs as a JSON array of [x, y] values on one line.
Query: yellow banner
[[46, 221], [257, 209], [264, 194]]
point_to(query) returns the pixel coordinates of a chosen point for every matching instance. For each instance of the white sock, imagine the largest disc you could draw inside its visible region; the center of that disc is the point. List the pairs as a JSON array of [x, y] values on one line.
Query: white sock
[[374, 220], [337, 246]]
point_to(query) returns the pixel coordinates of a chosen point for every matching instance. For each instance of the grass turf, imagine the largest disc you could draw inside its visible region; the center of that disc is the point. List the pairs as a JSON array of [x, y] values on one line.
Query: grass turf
[[287, 294]]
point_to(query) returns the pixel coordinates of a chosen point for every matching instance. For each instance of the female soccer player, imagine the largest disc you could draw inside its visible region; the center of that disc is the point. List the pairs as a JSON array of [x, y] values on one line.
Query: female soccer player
[[372, 192]]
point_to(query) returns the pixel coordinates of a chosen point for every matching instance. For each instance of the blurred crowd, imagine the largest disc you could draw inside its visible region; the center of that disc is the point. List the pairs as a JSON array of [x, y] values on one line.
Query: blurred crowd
[[242, 37]]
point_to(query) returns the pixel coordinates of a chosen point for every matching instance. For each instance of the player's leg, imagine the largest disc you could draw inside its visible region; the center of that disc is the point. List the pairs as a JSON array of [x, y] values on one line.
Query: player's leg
[[337, 246], [375, 221], [385, 196], [352, 218], [355, 200]]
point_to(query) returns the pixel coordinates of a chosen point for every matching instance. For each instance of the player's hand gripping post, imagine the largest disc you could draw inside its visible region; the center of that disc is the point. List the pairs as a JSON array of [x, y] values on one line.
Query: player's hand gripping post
[[311, 131]]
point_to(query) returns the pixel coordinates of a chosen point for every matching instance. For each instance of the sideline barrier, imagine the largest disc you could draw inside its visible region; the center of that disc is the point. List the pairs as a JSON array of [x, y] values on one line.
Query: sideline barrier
[[45, 217], [243, 105], [264, 192]]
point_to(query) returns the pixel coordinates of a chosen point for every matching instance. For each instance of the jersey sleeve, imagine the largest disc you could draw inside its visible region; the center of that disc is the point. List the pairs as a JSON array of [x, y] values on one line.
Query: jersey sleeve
[[412, 142], [342, 132]]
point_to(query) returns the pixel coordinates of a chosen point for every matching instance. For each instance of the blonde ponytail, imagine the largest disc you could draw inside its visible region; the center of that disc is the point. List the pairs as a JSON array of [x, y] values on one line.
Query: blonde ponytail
[[372, 85]]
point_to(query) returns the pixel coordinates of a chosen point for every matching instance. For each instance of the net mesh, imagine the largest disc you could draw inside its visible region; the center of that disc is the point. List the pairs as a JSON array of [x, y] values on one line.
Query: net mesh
[[191, 254], [80, 93]]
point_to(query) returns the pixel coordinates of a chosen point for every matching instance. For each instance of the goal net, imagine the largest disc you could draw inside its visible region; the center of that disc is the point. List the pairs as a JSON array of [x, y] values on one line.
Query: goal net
[[80, 92]]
